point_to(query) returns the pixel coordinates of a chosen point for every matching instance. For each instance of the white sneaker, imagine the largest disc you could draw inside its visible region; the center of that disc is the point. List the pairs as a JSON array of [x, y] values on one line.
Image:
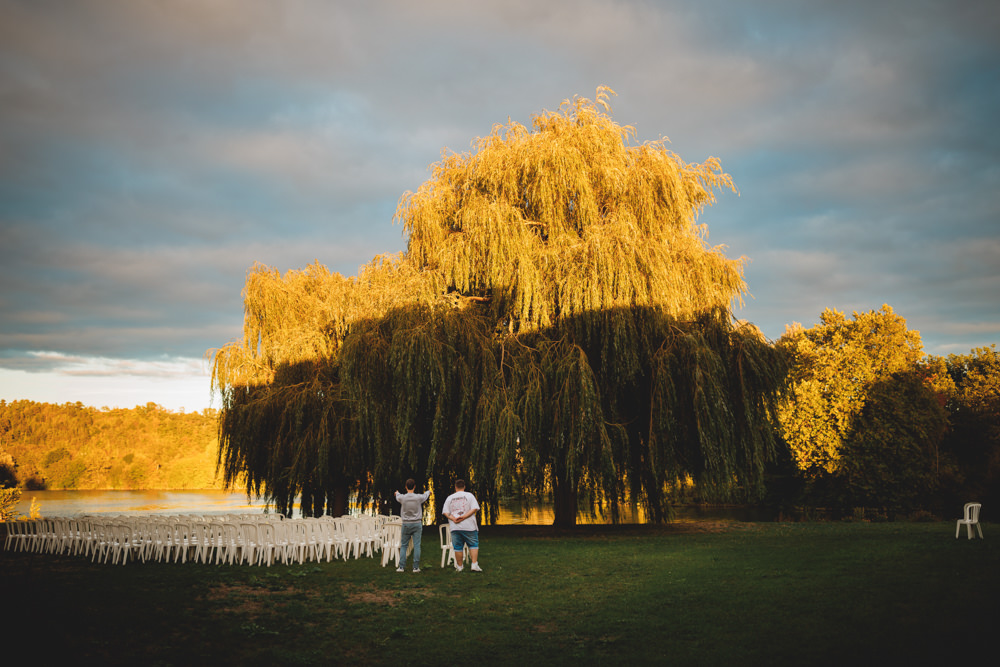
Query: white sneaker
[[459, 568], [416, 570], [399, 569], [475, 567]]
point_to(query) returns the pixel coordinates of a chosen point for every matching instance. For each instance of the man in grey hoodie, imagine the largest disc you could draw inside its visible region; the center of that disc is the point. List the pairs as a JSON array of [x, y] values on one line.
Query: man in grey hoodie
[[412, 514]]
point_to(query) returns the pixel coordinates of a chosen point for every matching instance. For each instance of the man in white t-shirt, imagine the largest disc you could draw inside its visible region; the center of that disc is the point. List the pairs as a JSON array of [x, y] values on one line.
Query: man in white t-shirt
[[460, 508]]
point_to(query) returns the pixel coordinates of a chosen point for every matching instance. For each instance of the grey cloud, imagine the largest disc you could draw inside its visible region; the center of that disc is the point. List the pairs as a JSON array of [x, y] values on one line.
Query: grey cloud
[[78, 365], [151, 152]]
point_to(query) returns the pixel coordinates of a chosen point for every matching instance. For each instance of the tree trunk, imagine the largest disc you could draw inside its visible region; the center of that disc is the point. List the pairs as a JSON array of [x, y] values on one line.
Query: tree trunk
[[565, 499], [337, 500], [306, 503]]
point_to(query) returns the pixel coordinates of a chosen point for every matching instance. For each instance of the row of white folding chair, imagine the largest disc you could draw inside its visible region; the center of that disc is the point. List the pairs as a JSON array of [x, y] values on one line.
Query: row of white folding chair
[[21, 535], [108, 538], [253, 542], [176, 540], [16, 535], [299, 540], [26, 535], [53, 535], [227, 538], [101, 539]]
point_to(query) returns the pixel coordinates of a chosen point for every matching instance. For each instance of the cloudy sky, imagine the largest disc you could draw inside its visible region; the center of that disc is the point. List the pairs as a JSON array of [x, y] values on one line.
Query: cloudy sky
[[152, 151]]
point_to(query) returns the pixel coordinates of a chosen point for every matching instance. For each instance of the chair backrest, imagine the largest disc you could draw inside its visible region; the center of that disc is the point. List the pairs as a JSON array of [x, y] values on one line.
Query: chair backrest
[[445, 534], [972, 512], [217, 531], [265, 533], [248, 531]]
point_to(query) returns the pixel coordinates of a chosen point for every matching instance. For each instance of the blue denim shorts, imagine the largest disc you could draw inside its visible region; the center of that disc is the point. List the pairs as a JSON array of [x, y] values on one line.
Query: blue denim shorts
[[463, 538]]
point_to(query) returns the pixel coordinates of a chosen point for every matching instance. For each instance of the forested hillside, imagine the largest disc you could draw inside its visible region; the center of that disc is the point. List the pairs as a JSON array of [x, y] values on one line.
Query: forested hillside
[[73, 446]]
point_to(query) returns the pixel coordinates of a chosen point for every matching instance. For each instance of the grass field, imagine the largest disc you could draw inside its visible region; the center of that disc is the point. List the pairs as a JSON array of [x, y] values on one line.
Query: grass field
[[684, 594]]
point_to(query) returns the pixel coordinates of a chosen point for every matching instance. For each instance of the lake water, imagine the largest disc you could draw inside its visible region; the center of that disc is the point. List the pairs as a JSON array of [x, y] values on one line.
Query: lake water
[[75, 503]]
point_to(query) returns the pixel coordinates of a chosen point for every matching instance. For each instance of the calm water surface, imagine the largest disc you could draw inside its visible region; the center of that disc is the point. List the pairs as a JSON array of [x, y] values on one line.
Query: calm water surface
[[75, 503]]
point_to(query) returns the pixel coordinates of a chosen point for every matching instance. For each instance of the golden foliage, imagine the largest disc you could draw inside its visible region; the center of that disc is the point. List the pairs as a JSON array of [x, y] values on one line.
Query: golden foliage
[[73, 446], [834, 365], [571, 218], [557, 321]]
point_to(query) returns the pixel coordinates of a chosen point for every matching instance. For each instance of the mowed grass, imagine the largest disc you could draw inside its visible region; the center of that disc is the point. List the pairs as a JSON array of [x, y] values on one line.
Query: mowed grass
[[684, 594]]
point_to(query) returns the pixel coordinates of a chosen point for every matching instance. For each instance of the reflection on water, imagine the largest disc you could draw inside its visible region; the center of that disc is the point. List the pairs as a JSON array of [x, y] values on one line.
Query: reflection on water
[[514, 512], [75, 503]]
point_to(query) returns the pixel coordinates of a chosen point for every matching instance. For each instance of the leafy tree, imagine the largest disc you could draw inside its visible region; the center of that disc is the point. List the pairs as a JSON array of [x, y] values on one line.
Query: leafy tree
[[974, 438], [8, 503], [977, 381], [863, 420], [558, 321], [287, 426], [891, 459], [613, 314], [833, 366]]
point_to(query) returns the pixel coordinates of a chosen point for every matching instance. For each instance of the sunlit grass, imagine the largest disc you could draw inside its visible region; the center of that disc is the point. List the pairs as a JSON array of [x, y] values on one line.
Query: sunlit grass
[[784, 594]]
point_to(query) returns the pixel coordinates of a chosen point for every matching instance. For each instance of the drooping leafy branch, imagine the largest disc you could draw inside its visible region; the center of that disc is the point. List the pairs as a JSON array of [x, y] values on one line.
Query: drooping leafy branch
[[558, 322]]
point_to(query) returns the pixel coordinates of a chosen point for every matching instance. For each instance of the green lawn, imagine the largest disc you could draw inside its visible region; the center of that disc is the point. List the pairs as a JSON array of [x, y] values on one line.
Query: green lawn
[[714, 594]]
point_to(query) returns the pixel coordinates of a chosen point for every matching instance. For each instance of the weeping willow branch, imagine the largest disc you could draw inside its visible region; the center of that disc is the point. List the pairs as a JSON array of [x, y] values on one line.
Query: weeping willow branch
[[557, 322]]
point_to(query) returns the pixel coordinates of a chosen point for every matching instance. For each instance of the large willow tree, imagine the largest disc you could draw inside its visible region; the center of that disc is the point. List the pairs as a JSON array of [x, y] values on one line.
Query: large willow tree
[[620, 367], [557, 323]]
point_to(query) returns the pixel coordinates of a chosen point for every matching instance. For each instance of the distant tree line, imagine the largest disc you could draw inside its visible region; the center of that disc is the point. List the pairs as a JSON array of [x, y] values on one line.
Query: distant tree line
[[73, 446]]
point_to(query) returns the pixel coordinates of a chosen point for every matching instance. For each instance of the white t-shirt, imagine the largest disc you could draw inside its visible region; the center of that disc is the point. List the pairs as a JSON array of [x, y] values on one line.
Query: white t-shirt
[[459, 503]]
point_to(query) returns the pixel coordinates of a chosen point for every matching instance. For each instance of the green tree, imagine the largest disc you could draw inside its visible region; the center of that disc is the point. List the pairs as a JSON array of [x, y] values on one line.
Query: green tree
[[558, 321], [891, 459], [287, 426], [622, 369], [863, 419], [974, 437], [833, 366], [8, 503]]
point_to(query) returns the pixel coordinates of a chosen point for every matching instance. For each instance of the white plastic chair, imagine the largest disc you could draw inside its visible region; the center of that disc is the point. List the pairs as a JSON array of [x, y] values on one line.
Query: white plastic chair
[[113, 541], [200, 541], [232, 547], [121, 542], [41, 536], [250, 553], [19, 535], [341, 537], [182, 539], [216, 541], [60, 537], [266, 543], [971, 518], [390, 537], [447, 551], [327, 536], [160, 540], [80, 528], [367, 535], [297, 543]]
